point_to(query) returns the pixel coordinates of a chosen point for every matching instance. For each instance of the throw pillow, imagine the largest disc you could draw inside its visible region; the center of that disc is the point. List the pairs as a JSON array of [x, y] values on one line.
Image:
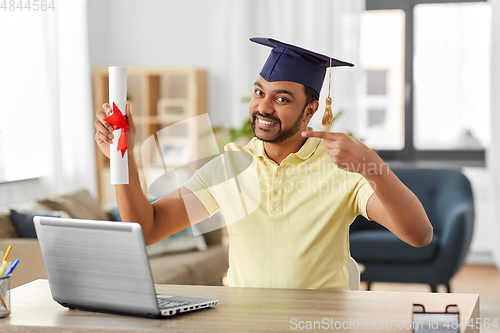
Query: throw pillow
[[182, 241], [78, 204], [23, 221]]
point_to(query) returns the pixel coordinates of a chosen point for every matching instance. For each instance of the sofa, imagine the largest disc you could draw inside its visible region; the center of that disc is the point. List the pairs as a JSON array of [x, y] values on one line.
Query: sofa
[[176, 266]]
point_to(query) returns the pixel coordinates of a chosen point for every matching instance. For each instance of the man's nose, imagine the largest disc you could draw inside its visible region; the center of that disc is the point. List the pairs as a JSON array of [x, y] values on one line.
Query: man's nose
[[266, 106]]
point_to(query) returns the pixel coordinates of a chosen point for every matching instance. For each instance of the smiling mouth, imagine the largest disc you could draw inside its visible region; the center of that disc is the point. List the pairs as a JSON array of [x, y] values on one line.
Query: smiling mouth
[[266, 122]]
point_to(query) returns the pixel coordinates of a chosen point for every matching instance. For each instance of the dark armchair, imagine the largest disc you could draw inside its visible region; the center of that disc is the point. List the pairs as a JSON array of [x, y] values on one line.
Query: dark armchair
[[447, 198]]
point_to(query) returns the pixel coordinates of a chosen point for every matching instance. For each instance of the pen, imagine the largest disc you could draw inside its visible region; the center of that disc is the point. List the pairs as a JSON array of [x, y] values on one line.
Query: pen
[[7, 253], [12, 267], [4, 263]]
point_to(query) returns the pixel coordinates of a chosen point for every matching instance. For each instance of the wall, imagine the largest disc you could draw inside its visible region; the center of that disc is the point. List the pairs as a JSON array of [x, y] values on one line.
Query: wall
[[494, 153], [483, 239]]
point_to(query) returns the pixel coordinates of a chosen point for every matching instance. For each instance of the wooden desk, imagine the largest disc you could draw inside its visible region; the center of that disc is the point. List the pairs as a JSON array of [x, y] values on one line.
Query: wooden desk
[[239, 310]]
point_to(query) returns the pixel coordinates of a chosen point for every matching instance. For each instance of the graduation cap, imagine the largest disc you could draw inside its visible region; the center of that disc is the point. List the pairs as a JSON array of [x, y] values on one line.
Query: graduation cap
[[288, 62]]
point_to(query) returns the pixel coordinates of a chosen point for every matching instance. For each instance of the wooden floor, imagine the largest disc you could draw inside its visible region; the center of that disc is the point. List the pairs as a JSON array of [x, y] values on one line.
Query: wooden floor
[[476, 279]]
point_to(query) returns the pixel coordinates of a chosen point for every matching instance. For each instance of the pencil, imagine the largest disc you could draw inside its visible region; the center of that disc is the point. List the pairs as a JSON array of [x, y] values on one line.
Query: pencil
[[1, 297]]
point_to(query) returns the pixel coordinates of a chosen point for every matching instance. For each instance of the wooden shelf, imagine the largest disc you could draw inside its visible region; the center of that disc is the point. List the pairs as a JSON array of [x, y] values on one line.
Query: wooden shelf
[[159, 119], [183, 91]]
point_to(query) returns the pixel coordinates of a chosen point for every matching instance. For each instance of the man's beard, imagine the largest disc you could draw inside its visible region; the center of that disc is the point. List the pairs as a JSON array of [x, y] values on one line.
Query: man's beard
[[282, 134]]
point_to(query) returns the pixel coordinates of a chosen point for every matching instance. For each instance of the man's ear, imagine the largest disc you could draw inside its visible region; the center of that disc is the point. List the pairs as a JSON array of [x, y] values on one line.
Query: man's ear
[[311, 109]]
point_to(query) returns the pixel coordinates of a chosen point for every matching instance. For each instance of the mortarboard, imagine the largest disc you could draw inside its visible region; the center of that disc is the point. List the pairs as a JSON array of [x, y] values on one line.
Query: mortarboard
[[288, 62]]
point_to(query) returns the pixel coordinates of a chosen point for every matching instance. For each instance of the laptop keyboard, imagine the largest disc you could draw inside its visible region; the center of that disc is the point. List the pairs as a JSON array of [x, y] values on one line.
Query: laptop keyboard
[[165, 303]]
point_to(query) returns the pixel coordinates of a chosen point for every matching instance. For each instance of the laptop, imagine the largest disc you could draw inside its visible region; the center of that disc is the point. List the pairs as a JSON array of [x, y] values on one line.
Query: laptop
[[103, 266]]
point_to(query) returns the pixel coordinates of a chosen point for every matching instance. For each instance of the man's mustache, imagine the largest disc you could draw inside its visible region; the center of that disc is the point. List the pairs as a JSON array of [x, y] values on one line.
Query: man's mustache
[[257, 113]]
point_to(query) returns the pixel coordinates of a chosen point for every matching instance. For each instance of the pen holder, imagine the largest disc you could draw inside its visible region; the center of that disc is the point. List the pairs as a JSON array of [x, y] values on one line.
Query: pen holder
[[5, 296]]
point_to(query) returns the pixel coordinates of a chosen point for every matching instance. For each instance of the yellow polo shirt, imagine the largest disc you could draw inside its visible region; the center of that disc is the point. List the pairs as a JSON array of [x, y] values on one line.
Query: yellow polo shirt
[[288, 224]]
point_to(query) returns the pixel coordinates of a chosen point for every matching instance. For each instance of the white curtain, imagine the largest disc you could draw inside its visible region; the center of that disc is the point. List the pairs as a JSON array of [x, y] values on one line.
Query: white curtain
[[46, 116], [493, 157], [72, 111], [324, 26]]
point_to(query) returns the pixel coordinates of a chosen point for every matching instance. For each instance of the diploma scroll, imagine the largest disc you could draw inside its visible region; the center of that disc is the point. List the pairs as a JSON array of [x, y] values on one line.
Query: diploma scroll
[[118, 102]]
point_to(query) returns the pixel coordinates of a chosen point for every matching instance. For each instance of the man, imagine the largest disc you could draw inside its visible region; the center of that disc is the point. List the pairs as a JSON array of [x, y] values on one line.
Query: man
[[312, 186]]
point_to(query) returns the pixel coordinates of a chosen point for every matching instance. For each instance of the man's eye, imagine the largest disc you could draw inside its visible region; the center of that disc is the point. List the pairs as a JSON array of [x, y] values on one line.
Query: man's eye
[[258, 92], [282, 99]]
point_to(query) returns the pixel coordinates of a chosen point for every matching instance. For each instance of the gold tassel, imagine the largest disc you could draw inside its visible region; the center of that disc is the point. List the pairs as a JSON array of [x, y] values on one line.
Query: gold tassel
[[328, 116]]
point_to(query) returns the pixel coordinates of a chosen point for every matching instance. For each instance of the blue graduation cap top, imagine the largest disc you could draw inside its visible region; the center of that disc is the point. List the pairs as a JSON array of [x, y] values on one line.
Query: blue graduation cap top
[[288, 62]]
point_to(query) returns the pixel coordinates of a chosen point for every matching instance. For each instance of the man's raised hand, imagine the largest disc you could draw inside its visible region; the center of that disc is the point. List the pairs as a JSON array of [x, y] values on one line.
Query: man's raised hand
[[348, 153]]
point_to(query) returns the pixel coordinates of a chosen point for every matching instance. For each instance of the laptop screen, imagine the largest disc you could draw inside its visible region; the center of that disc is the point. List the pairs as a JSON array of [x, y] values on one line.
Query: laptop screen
[[98, 265]]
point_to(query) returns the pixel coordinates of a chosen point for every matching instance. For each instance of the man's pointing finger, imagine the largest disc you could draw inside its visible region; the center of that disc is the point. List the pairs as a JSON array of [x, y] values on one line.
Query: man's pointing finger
[[322, 135]]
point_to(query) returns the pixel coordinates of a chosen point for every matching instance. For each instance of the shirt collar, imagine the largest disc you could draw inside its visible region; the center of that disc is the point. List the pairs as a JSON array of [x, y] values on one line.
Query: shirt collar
[[256, 147], [308, 148]]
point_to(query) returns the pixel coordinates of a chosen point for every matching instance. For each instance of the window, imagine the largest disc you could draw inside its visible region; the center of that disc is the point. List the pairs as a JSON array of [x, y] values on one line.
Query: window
[[382, 58], [451, 76], [427, 79]]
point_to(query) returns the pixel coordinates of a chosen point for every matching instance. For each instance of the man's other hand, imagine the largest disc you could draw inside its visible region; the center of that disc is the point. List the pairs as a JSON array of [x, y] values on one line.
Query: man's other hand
[[104, 130]]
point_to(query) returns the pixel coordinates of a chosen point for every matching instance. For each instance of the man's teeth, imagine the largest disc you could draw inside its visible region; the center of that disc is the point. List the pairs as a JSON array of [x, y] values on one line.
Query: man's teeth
[[263, 122]]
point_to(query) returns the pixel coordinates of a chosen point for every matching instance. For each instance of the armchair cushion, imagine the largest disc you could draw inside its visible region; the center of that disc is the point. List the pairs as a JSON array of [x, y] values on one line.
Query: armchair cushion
[[383, 246]]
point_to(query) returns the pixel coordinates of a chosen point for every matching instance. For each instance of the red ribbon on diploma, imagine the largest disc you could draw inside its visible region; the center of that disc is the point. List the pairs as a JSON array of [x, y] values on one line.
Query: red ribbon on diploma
[[118, 120]]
